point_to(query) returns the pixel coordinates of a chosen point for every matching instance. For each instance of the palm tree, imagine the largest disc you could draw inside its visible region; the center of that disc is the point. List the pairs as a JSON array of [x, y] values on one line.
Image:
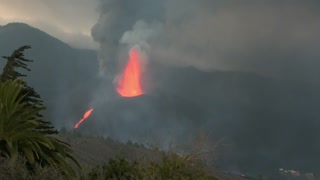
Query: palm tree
[[22, 128], [19, 134]]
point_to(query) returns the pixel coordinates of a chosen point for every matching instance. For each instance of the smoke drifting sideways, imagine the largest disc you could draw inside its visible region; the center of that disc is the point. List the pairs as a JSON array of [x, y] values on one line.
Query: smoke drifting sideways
[[277, 39], [274, 38]]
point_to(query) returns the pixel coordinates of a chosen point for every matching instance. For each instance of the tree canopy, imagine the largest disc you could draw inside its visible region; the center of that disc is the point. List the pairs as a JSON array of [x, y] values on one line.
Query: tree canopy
[[23, 130]]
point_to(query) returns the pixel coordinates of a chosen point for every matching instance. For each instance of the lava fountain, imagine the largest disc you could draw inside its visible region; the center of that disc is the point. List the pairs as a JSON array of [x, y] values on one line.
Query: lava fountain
[[129, 84], [85, 116]]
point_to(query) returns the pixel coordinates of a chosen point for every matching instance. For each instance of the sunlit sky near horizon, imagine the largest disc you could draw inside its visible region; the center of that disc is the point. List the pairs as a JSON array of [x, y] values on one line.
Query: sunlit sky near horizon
[[68, 20]]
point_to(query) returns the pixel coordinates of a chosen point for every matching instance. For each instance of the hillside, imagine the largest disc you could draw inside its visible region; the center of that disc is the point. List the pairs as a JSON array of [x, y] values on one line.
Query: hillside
[[266, 123], [58, 71], [93, 150]]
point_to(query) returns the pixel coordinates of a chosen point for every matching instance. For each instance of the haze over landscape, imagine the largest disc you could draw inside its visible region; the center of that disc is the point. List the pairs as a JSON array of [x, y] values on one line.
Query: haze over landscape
[[246, 72]]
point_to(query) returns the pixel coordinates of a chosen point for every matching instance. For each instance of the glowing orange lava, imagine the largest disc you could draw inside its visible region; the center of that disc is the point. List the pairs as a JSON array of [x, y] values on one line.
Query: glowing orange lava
[[85, 116], [129, 84]]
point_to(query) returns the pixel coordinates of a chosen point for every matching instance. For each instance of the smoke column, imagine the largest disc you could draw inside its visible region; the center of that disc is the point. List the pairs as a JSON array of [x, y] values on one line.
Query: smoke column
[[117, 17], [220, 35], [278, 39]]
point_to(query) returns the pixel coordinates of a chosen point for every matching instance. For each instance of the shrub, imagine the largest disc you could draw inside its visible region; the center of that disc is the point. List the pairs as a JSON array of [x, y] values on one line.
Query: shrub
[[171, 166], [18, 169], [118, 168]]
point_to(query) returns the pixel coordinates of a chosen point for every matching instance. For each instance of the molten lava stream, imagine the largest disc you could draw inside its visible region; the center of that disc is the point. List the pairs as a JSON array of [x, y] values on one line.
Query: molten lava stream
[[85, 116], [129, 84]]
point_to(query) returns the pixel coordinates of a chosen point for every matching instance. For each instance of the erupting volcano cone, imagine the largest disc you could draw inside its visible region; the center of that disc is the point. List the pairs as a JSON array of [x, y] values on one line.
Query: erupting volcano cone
[[129, 83], [85, 116]]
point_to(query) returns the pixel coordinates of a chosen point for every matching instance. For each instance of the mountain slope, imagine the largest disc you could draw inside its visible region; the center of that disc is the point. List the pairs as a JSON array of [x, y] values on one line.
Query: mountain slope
[[58, 71], [269, 123]]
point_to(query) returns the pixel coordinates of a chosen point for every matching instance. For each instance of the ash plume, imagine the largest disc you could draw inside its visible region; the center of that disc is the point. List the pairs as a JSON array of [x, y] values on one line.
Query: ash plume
[[186, 42], [142, 34], [117, 17], [256, 36]]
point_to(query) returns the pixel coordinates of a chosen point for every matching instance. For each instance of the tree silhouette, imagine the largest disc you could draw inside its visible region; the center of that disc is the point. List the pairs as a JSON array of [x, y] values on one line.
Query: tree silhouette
[[23, 130]]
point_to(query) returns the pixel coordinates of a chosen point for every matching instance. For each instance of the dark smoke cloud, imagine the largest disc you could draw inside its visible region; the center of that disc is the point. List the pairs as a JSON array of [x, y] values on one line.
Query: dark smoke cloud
[[258, 115], [278, 38], [117, 17]]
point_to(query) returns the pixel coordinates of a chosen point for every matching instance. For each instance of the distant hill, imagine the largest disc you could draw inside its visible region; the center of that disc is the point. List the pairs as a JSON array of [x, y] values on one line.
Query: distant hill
[[267, 123], [93, 150], [58, 71]]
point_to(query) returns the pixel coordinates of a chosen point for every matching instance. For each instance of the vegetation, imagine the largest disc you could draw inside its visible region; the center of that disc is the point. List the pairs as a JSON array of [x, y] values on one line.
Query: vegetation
[[171, 166], [23, 130], [28, 149], [17, 169], [118, 168]]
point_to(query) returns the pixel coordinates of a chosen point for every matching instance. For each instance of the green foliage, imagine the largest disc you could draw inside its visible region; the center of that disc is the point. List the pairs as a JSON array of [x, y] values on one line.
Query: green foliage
[[16, 60], [17, 122], [172, 166], [118, 168], [28, 151], [17, 169], [19, 132], [22, 130]]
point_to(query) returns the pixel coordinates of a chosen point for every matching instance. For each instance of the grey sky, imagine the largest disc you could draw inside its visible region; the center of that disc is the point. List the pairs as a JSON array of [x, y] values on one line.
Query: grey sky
[[68, 20], [275, 37], [272, 37], [280, 38]]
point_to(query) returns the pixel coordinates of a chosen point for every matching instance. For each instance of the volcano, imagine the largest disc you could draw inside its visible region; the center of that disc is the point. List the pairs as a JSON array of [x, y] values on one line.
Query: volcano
[[129, 84]]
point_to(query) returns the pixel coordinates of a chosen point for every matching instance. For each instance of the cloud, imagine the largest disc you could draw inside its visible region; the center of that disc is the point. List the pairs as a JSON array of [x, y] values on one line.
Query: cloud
[[273, 38], [117, 17], [277, 38], [69, 21], [267, 38]]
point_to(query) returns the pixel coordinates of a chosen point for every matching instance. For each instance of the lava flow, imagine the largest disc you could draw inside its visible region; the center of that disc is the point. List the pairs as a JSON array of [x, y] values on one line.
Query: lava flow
[[129, 84], [85, 116]]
